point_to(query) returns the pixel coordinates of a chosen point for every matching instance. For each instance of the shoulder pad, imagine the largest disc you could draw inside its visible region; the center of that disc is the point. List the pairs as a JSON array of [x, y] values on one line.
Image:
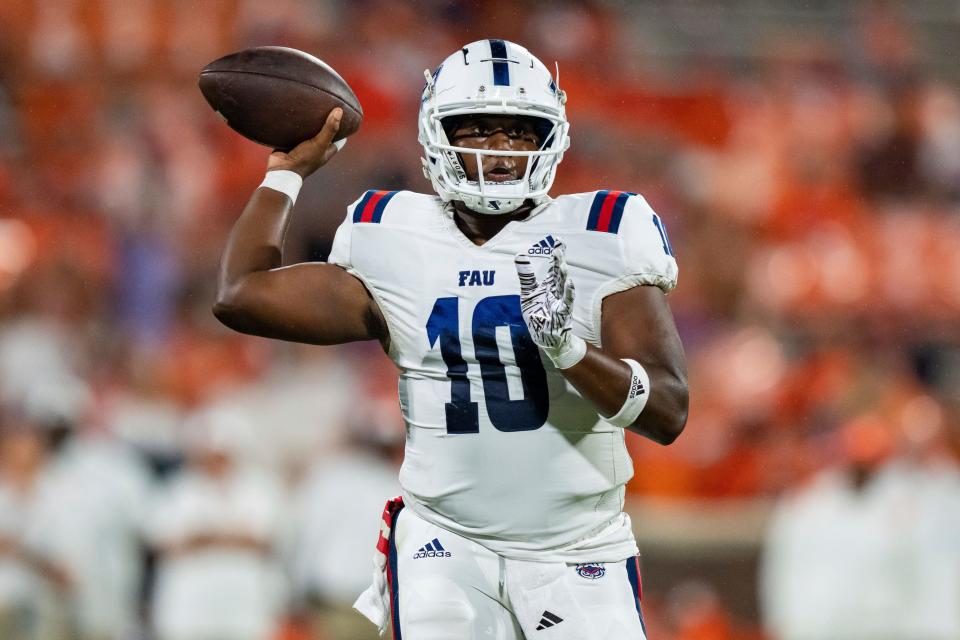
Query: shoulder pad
[[375, 207]]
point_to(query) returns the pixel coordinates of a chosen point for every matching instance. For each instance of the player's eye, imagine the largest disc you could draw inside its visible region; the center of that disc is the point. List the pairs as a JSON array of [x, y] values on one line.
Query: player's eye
[[481, 130], [521, 133], [469, 132]]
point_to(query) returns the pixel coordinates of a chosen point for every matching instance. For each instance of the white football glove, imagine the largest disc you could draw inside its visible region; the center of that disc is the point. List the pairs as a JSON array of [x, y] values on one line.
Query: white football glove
[[547, 308]]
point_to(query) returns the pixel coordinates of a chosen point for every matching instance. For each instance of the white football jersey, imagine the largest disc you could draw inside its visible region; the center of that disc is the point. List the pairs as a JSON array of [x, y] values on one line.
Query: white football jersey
[[500, 448]]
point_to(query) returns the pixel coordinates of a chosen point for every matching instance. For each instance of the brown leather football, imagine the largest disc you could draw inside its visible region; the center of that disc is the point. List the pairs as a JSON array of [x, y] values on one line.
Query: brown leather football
[[278, 96]]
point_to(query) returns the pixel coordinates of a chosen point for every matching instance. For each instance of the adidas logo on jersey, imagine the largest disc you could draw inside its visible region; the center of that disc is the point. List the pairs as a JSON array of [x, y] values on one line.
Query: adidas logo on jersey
[[548, 620], [542, 248], [432, 549]]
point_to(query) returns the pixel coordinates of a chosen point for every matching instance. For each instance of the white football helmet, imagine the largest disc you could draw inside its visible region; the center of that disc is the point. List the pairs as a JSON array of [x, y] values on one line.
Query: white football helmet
[[494, 77]]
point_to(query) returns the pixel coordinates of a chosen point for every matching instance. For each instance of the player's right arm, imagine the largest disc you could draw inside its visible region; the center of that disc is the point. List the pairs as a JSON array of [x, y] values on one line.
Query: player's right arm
[[316, 303]]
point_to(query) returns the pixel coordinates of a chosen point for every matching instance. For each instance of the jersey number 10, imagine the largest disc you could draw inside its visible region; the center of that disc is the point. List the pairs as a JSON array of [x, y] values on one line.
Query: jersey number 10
[[505, 414]]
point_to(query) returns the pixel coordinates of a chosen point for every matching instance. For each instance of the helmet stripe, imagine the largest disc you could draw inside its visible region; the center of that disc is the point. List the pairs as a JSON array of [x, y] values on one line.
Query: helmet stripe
[[501, 70]]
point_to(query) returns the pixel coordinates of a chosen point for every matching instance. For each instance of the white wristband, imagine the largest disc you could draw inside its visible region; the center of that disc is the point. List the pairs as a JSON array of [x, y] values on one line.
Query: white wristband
[[569, 354], [286, 182], [636, 398]]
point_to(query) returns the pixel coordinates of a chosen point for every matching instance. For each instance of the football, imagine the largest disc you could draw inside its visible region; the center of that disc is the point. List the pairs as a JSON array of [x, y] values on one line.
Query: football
[[278, 96]]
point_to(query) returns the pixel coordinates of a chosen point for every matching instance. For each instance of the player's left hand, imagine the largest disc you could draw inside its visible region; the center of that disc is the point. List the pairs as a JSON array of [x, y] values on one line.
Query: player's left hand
[[547, 307]]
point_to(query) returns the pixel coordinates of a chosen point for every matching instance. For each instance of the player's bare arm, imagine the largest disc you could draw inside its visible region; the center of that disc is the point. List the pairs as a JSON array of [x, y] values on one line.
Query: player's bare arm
[[314, 303], [637, 324]]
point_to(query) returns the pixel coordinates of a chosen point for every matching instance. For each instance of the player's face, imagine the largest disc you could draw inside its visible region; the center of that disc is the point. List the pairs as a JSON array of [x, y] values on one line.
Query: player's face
[[495, 133]]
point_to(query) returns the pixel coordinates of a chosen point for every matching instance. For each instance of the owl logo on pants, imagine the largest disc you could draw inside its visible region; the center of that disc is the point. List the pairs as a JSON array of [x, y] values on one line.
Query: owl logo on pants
[[591, 571]]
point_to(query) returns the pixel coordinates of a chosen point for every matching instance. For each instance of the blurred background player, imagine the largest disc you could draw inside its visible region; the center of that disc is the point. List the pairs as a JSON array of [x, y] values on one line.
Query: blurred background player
[[329, 558], [77, 499], [33, 591], [215, 528], [87, 511], [873, 546]]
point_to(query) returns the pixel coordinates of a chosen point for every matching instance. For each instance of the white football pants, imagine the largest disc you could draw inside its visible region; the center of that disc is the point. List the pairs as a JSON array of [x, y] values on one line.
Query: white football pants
[[446, 587]]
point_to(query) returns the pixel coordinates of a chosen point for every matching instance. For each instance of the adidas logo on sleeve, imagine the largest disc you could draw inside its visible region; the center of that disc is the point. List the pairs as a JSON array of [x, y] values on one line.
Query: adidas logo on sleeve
[[432, 549]]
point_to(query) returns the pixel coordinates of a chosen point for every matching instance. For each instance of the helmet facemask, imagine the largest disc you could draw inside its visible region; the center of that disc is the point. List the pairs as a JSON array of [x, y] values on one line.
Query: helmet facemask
[[441, 162]]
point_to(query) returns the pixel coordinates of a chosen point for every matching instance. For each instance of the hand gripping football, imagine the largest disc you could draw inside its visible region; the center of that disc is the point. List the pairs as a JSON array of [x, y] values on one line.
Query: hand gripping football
[[277, 96]]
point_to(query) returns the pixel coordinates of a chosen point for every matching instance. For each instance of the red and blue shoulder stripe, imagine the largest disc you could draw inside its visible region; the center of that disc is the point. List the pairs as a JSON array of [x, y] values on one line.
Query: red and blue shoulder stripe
[[372, 205], [607, 210]]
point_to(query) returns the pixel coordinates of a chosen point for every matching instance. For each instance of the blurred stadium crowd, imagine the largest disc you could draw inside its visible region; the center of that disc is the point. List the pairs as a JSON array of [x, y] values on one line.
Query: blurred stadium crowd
[[161, 474]]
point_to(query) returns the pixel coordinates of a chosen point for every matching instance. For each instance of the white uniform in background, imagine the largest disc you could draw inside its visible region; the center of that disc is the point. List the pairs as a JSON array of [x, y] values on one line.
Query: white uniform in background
[[932, 586], [883, 562], [306, 402], [86, 516], [23, 593], [330, 557], [504, 460], [227, 593]]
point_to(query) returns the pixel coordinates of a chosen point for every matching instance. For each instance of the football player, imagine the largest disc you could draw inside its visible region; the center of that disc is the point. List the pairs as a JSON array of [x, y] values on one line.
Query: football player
[[530, 332]]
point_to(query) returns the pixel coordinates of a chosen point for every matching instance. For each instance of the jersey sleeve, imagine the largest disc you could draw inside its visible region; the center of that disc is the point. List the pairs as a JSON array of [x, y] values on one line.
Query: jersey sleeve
[[624, 245], [343, 239], [367, 210], [645, 256]]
